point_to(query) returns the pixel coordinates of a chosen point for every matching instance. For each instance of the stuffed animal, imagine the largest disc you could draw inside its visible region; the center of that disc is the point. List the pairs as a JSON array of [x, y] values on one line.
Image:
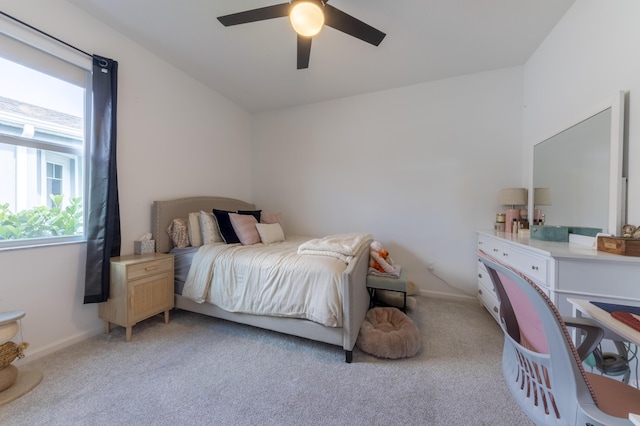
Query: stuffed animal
[[379, 258]]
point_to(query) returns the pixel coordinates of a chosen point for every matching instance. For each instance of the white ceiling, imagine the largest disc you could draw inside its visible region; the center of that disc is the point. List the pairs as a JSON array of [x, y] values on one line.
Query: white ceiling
[[254, 64]]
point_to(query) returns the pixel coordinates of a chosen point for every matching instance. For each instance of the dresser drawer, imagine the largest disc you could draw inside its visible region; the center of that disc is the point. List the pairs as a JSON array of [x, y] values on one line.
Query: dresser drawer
[[485, 280], [490, 302], [143, 269], [532, 266], [490, 246]]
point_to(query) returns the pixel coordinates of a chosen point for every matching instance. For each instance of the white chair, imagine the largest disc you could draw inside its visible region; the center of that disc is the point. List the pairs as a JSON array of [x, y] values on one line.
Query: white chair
[[541, 365]]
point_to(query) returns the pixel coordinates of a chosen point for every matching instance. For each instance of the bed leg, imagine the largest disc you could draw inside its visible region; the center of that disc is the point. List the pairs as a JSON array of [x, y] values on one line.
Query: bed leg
[[348, 356]]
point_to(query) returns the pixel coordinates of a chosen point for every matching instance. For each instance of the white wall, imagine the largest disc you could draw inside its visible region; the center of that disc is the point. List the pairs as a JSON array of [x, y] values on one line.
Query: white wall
[[590, 55], [419, 167], [175, 138]]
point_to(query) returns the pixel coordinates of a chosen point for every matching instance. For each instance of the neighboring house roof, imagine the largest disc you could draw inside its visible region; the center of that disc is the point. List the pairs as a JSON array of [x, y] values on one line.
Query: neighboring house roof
[[40, 113], [34, 118]]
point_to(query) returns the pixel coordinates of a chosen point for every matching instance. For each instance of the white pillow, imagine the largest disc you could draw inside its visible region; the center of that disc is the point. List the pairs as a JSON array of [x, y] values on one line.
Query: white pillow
[[270, 232], [195, 234], [209, 229]]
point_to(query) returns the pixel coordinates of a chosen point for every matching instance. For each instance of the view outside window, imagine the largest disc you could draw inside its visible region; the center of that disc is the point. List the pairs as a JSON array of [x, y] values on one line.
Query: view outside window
[[54, 181], [42, 133]]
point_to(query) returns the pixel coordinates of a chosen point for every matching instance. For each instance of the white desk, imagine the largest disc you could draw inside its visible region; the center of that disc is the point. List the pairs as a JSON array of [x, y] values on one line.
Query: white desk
[[614, 329]]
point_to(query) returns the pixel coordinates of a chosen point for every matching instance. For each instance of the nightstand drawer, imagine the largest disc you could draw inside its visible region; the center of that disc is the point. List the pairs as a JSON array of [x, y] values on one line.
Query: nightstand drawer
[[140, 270]]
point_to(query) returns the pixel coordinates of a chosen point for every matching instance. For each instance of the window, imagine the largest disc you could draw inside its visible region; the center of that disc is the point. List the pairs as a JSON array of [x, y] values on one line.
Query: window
[[54, 182], [43, 128]]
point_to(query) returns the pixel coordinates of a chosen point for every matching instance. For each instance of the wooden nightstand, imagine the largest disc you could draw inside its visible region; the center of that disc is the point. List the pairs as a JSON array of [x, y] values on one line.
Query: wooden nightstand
[[141, 287]]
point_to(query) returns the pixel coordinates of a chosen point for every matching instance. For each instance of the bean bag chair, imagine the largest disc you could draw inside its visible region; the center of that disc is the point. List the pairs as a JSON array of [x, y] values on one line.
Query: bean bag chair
[[389, 333]]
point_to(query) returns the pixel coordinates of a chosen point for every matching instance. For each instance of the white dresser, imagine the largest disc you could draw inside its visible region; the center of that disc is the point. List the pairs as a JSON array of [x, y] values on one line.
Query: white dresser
[[562, 270]]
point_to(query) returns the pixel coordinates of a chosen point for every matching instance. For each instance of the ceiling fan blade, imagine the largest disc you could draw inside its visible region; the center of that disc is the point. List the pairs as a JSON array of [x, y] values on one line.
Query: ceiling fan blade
[[339, 20], [304, 51], [253, 15]]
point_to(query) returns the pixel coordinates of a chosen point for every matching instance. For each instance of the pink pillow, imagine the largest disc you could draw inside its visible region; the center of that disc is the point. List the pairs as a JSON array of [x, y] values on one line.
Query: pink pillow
[[270, 218], [245, 227]]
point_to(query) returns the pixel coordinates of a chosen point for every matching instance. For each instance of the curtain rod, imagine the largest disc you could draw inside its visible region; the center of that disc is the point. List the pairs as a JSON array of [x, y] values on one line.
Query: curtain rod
[[45, 34]]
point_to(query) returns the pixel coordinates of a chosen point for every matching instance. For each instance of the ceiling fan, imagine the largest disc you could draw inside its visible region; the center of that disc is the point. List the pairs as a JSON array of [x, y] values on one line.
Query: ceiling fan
[[307, 18]]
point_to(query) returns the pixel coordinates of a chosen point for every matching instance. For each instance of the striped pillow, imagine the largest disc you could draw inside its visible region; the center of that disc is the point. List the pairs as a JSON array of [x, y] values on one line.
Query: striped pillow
[[209, 228]]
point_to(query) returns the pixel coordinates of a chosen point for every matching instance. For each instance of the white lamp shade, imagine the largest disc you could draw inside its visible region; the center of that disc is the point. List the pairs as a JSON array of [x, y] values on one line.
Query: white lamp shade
[[307, 18], [541, 197], [513, 197]]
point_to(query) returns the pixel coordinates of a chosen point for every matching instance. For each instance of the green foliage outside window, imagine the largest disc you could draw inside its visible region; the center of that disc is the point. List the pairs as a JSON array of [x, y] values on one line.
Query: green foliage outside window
[[42, 221]]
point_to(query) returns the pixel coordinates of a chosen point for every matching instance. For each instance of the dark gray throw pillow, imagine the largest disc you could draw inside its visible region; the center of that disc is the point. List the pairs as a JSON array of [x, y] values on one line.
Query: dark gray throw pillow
[[254, 213], [224, 225]]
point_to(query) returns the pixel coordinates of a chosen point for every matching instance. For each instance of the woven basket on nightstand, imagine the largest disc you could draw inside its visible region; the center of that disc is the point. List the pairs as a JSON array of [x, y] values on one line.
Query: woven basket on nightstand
[[8, 352]]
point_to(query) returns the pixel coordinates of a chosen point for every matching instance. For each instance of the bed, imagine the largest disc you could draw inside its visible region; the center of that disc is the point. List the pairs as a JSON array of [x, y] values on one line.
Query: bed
[[351, 285]]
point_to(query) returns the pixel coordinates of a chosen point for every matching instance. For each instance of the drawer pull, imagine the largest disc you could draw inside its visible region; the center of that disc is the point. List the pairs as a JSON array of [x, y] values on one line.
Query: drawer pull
[[495, 250], [534, 267], [495, 309], [480, 291], [479, 275], [150, 268], [505, 254]]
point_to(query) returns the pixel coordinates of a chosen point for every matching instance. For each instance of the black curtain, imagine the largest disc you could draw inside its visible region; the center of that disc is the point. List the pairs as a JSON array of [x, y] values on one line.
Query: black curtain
[[103, 208]]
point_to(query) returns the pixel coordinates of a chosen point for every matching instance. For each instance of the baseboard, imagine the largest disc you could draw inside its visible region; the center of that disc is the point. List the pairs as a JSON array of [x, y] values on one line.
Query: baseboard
[[448, 296], [56, 346]]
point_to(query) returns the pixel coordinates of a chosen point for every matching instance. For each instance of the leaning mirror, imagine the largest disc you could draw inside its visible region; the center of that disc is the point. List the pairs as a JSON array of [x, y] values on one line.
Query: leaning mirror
[[578, 171]]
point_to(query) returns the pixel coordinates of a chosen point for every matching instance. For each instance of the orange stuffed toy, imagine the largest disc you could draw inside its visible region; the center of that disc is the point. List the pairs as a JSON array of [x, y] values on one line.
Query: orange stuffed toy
[[379, 258]]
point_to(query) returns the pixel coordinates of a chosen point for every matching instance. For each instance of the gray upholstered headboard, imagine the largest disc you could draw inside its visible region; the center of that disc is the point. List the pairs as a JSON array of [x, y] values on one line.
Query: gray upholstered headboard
[[164, 212]]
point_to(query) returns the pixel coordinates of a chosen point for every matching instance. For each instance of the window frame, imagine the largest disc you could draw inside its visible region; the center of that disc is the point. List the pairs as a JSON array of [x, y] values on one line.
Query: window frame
[[34, 40]]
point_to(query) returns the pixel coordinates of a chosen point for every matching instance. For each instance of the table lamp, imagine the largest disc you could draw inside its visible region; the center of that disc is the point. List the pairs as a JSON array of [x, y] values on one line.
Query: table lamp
[[541, 197], [512, 197]]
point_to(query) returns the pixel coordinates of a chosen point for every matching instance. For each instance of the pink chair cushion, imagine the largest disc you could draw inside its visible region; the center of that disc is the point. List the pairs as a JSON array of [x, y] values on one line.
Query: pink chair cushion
[[532, 335]]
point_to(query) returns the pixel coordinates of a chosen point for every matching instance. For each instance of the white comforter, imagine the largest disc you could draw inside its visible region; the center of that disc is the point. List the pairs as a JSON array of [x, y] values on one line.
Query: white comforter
[[268, 279], [340, 246]]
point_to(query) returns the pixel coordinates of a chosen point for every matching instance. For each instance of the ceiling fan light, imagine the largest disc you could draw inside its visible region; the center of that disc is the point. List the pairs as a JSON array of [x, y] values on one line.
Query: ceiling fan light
[[306, 18]]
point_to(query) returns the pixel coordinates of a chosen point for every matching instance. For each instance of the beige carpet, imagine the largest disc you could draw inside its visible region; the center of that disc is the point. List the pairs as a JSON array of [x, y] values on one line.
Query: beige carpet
[[202, 371]]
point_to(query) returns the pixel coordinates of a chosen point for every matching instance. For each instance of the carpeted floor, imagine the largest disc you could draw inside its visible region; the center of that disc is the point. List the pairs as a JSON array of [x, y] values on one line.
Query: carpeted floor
[[203, 371]]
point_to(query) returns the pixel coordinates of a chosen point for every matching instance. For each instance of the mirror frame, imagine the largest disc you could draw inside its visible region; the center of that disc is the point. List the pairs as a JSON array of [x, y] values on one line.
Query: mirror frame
[[617, 183]]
